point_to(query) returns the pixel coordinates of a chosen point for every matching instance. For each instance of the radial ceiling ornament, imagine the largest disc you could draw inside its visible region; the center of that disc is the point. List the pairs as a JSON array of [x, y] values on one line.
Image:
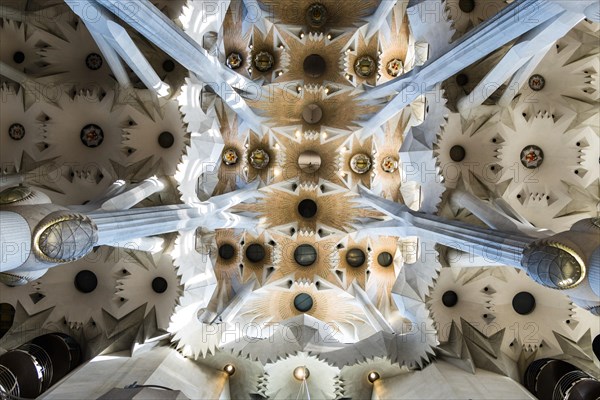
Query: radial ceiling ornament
[[90, 286], [20, 129], [234, 60], [362, 59], [149, 280], [466, 14], [531, 312], [357, 162], [338, 15], [316, 15], [337, 309], [398, 48], [545, 165], [565, 76], [301, 373], [532, 157], [456, 297], [262, 158], [159, 134], [322, 267], [76, 60], [22, 44], [268, 56], [461, 157], [232, 158], [309, 209]]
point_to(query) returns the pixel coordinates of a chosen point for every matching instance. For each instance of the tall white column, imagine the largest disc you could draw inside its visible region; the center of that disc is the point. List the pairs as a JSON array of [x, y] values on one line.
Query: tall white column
[[15, 240]]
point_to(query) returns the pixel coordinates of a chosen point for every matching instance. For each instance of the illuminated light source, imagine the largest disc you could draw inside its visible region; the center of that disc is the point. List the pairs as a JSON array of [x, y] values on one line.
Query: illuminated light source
[[301, 373], [373, 376], [229, 369], [329, 36], [301, 35]]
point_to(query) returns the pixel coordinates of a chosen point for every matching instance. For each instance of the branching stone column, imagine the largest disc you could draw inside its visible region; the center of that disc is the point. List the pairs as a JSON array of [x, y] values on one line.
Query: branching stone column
[[513, 21], [37, 237], [142, 16], [568, 261]]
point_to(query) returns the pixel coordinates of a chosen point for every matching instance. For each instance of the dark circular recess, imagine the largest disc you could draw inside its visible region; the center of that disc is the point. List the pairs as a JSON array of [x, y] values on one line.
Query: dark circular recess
[[64, 352], [316, 15], [457, 153], [91, 135], [536, 82], [16, 131], [462, 79], [450, 298], [166, 140], [307, 208], [19, 57], [168, 66], [86, 281], [584, 389], [523, 303], [596, 346], [355, 257], [7, 316], [226, 251], [314, 65], [94, 61], [255, 253], [159, 285], [305, 255], [24, 367], [303, 302], [385, 259], [466, 5]]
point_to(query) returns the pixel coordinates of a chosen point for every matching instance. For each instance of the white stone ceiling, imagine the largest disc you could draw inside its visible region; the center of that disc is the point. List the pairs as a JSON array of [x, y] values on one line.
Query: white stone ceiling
[[239, 310]]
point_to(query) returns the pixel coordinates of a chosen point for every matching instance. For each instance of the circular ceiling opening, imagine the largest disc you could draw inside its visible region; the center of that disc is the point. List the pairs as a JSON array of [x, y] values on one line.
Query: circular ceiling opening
[[226, 251], [314, 65], [264, 61], [523, 303], [86, 281], [316, 15], [91, 135], [16, 131], [166, 140], [466, 5], [360, 163], [309, 161], [532, 156], [168, 66], [305, 255], [457, 153], [255, 253], [94, 61], [355, 257], [230, 157], [259, 159], [159, 285], [307, 208], [303, 302], [385, 259], [365, 66], [537, 82], [19, 57], [449, 298], [234, 60], [312, 114]]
